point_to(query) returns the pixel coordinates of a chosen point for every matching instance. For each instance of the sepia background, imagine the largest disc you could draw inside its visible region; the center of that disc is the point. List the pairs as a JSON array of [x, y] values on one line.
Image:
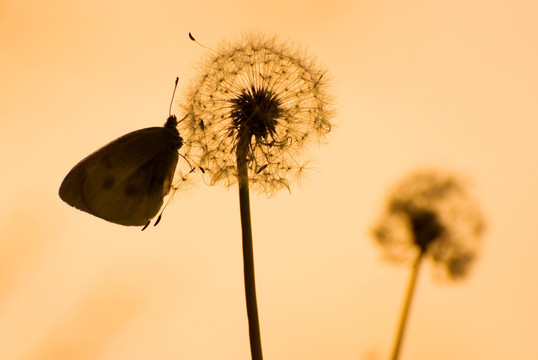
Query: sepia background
[[417, 84]]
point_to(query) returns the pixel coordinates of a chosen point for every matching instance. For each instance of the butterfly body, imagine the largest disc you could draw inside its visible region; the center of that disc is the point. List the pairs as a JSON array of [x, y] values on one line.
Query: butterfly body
[[125, 181]]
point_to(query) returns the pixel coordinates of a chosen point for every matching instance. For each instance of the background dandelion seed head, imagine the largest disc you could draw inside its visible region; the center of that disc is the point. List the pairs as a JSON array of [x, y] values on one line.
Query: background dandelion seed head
[[431, 212], [263, 89]]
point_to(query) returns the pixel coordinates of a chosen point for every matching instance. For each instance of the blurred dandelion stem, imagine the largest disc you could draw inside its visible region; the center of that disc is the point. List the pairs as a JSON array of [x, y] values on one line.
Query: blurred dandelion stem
[[248, 253], [407, 305]]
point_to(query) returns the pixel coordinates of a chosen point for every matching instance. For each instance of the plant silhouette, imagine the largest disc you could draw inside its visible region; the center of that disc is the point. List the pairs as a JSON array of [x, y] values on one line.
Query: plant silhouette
[[429, 214], [255, 106]]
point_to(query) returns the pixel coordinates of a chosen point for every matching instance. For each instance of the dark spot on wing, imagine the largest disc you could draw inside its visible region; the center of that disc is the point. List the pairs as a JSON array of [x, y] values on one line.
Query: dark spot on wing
[[132, 190], [108, 182]]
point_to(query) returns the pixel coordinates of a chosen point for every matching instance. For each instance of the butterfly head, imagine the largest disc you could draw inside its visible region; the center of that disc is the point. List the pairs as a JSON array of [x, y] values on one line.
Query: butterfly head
[[171, 125]]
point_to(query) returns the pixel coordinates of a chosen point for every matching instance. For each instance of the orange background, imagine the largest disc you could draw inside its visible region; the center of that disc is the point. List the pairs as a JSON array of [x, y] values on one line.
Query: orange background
[[448, 84]]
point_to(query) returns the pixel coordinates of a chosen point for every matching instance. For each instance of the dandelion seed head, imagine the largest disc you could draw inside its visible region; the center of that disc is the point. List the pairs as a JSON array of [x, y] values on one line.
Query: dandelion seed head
[[266, 94], [430, 212]]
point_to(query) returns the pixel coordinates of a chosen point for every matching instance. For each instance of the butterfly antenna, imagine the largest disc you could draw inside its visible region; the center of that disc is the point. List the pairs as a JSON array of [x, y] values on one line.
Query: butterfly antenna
[[196, 41], [183, 118], [172, 100]]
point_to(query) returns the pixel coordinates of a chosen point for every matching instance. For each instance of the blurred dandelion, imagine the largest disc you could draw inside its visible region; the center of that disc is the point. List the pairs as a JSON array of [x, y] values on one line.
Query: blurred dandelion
[[252, 111], [429, 214]]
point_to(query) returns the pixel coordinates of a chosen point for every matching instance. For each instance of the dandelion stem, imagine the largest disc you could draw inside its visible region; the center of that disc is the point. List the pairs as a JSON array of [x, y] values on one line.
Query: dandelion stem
[[248, 255], [407, 305]]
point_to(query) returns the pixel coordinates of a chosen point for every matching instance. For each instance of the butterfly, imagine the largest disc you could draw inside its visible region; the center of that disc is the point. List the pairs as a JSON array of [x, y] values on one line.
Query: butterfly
[[125, 181]]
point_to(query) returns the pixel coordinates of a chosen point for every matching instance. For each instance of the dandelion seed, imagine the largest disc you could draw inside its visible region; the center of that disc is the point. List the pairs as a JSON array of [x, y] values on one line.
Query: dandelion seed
[[265, 96]]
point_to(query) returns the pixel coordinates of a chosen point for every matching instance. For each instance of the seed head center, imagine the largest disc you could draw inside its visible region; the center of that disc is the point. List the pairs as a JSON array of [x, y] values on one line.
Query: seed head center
[[426, 228], [255, 113]]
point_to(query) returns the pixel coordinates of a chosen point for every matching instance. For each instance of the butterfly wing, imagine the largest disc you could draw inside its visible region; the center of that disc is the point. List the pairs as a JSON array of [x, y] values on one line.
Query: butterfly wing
[[125, 181]]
